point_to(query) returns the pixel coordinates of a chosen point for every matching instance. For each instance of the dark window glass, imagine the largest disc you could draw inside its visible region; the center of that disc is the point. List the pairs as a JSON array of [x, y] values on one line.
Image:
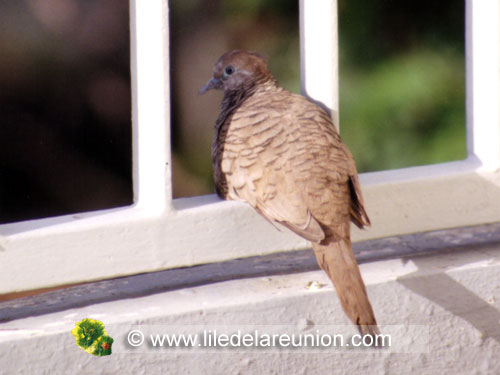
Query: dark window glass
[[65, 107]]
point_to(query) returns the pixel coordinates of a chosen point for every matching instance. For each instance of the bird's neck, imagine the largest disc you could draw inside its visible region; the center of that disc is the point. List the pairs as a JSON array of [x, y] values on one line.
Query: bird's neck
[[234, 98]]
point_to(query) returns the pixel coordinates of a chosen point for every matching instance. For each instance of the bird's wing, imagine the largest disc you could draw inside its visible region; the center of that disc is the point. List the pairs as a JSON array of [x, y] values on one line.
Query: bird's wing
[[333, 193], [284, 157], [325, 167], [258, 170]]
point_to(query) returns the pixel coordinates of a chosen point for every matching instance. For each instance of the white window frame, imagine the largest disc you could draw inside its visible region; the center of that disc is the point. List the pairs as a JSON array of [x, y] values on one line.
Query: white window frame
[[157, 232]]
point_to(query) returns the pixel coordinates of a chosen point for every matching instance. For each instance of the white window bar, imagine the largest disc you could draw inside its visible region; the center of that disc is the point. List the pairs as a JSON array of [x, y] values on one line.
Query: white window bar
[[158, 232]]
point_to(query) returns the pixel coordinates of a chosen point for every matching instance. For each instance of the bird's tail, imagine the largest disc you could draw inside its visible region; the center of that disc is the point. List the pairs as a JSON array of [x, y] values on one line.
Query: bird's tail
[[337, 260]]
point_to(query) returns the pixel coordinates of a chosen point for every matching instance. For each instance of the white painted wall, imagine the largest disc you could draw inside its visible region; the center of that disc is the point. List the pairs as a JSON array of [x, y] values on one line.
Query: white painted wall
[[455, 296]]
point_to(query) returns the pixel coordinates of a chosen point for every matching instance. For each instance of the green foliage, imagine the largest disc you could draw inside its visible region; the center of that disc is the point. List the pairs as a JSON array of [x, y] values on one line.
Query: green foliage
[[406, 110], [402, 82]]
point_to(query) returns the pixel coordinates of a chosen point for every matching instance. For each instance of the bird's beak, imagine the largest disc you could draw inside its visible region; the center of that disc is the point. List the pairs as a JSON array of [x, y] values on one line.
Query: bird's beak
[[214, 83]]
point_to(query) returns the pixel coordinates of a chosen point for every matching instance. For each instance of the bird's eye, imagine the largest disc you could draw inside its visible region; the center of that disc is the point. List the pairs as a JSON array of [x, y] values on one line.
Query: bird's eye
[[229, 70]]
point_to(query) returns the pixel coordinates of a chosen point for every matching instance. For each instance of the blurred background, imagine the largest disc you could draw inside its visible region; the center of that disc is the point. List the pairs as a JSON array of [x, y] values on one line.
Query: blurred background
[[65, 131], [402, 77]]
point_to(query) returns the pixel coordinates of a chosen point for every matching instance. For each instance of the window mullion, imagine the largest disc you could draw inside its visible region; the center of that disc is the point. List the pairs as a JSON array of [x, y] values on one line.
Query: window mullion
[[151, 102], [483, 81], [319, 53]]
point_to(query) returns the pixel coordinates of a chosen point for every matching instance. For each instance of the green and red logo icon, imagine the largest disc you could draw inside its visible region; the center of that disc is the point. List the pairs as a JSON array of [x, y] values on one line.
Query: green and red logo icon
[[91, 336]]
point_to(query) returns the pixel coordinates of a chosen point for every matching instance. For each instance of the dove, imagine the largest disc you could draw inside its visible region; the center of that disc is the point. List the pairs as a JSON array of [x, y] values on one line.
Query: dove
[[281, 154]]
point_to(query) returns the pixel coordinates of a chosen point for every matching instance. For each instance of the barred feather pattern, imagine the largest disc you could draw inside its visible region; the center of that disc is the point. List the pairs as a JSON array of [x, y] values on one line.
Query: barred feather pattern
[[282, 155]]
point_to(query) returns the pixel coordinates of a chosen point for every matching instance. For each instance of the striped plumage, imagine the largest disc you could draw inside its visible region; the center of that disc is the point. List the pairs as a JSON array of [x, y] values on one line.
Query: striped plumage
[[281, 154]]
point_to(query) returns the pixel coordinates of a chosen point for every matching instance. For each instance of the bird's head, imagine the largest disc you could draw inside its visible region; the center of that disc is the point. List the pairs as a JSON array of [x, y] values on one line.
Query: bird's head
[[238, 70]]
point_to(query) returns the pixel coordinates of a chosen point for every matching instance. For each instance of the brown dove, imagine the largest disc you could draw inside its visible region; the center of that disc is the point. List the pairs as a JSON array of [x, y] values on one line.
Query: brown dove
[[282, 155]]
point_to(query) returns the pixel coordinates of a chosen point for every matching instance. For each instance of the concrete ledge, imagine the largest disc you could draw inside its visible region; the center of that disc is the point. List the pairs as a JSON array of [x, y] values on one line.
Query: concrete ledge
[[275, 264], [452, 290]]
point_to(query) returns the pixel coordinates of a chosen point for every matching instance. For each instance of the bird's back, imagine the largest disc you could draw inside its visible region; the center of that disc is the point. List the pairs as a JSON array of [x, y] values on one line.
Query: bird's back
[[281, 153]]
